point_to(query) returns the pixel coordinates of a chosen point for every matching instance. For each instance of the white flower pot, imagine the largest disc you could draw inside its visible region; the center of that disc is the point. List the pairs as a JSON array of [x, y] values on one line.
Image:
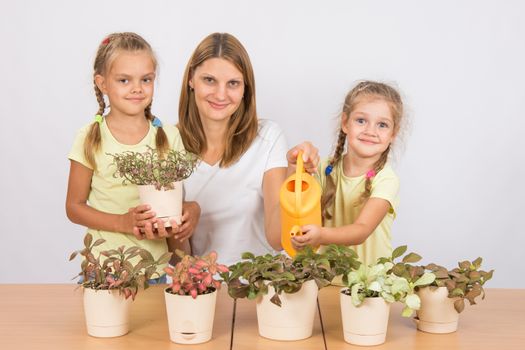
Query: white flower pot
[[167, 204], [367, 323], [294, 320], [190, 321], [107, 313], [437, 313]]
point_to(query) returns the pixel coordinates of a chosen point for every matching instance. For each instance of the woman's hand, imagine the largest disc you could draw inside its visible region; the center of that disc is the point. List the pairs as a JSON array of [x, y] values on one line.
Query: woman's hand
[[191, 212], [310, 157]]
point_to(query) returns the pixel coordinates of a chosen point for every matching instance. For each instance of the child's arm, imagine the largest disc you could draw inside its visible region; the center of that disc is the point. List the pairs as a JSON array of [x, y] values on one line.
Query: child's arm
[[371, 215], [79, 212]]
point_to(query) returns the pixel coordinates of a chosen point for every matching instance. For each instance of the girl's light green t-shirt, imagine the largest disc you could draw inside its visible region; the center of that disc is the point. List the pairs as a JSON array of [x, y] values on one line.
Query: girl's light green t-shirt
[[109, 194], [385, 185]]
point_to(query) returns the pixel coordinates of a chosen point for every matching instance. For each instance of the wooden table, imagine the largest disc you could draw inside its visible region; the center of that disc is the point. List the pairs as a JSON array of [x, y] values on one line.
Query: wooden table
[[51, 317], [497, 323]]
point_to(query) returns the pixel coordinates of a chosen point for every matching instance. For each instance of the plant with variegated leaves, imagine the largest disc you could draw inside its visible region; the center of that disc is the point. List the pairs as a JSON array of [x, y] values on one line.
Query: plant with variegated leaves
[[153, 168], [194, 275], [378, 280], [117, 269]]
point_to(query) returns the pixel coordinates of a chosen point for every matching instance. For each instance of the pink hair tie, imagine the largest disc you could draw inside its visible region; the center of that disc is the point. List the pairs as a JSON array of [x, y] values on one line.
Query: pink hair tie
[[370, 173], [105, 41]]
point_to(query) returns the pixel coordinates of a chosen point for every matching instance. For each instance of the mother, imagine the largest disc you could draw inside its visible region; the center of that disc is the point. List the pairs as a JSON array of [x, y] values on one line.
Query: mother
[[244, 159]]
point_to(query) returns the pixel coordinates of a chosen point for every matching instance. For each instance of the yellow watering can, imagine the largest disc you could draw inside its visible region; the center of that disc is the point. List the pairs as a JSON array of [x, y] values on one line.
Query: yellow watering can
[[300, 199]]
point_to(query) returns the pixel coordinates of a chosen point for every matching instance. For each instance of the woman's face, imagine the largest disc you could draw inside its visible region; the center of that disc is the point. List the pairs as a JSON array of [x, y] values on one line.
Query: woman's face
[[219, 88]]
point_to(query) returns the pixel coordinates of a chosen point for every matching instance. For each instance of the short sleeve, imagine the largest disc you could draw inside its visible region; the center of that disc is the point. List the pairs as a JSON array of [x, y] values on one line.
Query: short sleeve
[[174, 137], [77, 151], [320, 173], [273, 135], [386, 186]]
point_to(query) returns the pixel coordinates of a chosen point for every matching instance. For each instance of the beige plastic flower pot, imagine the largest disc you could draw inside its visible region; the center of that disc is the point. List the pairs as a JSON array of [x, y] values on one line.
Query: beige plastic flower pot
[[107, 313], [367, 323], [190, 321], [166, 204], [294, 320], [437, 313]]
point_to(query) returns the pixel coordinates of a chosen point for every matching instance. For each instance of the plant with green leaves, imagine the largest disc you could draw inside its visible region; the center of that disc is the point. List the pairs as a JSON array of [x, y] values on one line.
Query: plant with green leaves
[[378, 280], [253, 276], [463, 282], [342, 260], [114, 269], [153, 168]]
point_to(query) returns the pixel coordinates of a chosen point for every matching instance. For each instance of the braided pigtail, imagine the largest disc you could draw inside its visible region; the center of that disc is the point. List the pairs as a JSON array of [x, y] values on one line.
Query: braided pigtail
[[378, 166], [93, 139], [328, 197], [161, 140]]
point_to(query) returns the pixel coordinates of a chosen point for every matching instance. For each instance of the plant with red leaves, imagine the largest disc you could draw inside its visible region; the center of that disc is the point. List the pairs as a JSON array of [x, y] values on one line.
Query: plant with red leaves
[[194, 275]]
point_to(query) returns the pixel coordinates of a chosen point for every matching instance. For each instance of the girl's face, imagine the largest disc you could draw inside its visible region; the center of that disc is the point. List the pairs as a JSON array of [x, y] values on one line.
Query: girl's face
[[219, 88], [369, 128], [129, 83]]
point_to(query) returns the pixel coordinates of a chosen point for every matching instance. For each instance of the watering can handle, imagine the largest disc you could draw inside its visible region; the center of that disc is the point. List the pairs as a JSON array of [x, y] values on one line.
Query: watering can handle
[[299, 181]]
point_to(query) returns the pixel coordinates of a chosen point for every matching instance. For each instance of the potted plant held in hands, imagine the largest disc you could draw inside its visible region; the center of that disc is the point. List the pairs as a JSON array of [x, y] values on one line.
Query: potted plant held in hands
[[365, 303], [110, 281], [158, 177], [191, 298], [285, 290]]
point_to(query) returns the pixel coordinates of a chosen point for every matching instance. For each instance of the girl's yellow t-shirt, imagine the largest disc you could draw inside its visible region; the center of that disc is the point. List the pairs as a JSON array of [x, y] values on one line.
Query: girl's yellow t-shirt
[[109, 194], [385, 185]]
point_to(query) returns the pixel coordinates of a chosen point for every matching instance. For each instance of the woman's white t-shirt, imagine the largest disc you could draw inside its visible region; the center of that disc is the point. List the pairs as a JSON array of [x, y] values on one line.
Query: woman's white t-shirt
[[231, 199]]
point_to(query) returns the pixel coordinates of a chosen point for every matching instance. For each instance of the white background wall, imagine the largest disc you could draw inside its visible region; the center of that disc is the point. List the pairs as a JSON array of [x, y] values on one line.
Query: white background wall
[[459, 64]]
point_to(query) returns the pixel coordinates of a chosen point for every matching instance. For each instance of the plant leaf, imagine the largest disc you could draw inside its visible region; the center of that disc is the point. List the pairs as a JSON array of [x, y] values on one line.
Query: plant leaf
[[73, 255], [412, 258], [146, 255], [164, 258], [88, 238], [399, 251], [99, 242], [459, 305], [413, 301], [425, 280]]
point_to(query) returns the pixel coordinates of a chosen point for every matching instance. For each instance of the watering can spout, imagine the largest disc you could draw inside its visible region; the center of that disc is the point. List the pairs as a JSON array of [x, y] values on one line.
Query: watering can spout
[[300, 200]]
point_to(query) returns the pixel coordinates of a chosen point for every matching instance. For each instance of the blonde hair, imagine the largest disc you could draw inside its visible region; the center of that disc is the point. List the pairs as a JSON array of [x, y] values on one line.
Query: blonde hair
[[363, 90], [108, 50], [243, 124]]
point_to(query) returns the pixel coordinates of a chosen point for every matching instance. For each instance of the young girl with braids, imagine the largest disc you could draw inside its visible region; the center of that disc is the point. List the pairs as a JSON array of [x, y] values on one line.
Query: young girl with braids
[[124, 71], [360, 189]]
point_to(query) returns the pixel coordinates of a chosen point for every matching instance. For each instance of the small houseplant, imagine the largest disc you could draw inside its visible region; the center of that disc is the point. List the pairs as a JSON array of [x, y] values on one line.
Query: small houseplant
[[191, 297], [285, 288], [158, 177], [365, 303], [110, 281], [444, 298]]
